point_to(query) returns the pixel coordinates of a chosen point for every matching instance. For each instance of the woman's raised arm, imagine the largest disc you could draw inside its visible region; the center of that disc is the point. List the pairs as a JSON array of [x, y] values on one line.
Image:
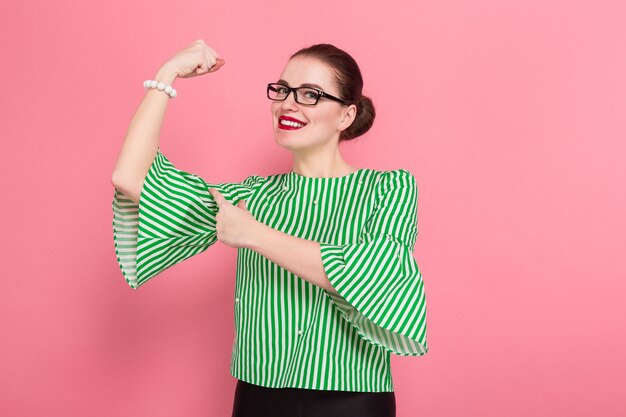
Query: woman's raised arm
[[142, 138]]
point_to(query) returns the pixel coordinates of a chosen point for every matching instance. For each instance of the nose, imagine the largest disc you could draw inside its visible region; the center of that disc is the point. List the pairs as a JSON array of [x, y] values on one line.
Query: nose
[[289, 102]]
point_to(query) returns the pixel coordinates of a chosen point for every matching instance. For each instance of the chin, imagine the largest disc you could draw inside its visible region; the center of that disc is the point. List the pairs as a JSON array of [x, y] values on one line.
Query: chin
[[291, 143]]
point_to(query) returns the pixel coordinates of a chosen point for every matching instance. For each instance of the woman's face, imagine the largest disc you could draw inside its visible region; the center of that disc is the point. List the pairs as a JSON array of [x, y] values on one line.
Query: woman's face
[[322, 122]]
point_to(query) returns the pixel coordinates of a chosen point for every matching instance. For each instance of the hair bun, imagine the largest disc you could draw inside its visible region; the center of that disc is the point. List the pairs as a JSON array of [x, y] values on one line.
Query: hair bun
[[363, 121]]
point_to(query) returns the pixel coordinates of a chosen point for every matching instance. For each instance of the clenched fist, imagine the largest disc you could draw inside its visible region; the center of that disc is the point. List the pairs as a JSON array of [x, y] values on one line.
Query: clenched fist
[[195, 59]]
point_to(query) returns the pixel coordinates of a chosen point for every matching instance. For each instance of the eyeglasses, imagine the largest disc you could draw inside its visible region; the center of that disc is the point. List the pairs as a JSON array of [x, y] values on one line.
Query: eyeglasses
[[304, 95]]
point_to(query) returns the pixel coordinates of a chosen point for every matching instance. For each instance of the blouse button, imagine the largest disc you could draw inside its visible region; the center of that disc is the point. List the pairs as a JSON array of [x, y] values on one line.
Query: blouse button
[[389, 238], [314, 201], [285, 187], [299, 331], [360, 181], [237, 299]]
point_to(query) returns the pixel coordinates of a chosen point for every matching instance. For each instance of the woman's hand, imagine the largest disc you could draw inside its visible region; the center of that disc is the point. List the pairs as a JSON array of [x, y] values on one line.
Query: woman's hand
[[235, 224], [194, 60]]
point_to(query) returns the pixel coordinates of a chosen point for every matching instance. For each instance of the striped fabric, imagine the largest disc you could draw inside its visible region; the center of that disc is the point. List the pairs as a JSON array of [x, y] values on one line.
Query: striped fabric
[[289, 332]]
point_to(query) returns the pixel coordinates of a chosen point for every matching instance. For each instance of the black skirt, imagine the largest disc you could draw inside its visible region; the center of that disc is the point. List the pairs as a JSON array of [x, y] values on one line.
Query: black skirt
[[257, 401]]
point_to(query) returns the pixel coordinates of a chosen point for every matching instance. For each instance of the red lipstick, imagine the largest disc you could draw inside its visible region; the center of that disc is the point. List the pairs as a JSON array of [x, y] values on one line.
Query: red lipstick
[[285, 127]]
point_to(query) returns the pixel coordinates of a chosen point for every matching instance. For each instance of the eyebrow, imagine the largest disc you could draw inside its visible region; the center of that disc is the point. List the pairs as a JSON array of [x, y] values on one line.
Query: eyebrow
[[281, 81]]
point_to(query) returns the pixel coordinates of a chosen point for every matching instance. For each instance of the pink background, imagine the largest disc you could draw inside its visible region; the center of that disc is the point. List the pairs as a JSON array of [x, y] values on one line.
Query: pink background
[[509, 113]]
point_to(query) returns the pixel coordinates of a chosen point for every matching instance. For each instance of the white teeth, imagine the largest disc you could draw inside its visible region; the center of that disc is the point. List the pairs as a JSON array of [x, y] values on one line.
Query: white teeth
[[290, 123]]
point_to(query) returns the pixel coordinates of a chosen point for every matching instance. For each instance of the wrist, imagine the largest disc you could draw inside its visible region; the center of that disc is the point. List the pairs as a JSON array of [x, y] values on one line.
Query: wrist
[[166, 75], [257, 233]]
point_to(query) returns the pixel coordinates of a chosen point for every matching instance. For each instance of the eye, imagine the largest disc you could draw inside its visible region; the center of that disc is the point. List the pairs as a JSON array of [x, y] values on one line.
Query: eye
[[281, 89], [312, 94]]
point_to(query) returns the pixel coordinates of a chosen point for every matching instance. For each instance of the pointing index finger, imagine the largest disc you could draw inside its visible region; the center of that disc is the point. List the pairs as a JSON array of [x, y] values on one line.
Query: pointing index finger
[[219, 198]]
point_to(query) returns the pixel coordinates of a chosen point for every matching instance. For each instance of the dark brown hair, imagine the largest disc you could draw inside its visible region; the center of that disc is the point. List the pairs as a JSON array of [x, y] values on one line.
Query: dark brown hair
[[349, 83]]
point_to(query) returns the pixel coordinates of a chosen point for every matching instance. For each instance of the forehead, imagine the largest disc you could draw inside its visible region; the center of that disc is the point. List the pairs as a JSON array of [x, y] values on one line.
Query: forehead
[[307, 71]]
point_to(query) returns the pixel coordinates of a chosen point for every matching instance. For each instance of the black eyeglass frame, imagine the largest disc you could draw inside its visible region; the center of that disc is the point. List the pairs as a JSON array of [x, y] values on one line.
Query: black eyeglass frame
[[295, 93]]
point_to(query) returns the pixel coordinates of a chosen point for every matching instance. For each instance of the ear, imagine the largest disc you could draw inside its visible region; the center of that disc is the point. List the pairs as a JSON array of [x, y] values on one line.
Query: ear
[[348, 117]]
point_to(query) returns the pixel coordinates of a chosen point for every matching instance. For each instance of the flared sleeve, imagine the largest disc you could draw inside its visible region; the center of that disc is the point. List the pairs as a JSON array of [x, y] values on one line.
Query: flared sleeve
[[378, 282], [174, 219]]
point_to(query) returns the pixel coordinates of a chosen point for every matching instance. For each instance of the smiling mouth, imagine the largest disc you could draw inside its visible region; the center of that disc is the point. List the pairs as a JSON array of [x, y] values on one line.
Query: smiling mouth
[[289, 125]]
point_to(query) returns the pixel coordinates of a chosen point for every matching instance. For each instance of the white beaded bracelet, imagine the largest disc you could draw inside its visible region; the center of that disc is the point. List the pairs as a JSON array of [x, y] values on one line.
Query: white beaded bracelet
[[168, 89]]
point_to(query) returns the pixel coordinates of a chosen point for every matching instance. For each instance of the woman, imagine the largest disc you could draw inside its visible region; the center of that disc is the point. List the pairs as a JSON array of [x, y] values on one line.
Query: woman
[[327, 287]]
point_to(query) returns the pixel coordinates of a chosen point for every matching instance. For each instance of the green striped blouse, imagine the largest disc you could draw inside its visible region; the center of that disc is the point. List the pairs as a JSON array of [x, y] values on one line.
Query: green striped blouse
[[289, 332]]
